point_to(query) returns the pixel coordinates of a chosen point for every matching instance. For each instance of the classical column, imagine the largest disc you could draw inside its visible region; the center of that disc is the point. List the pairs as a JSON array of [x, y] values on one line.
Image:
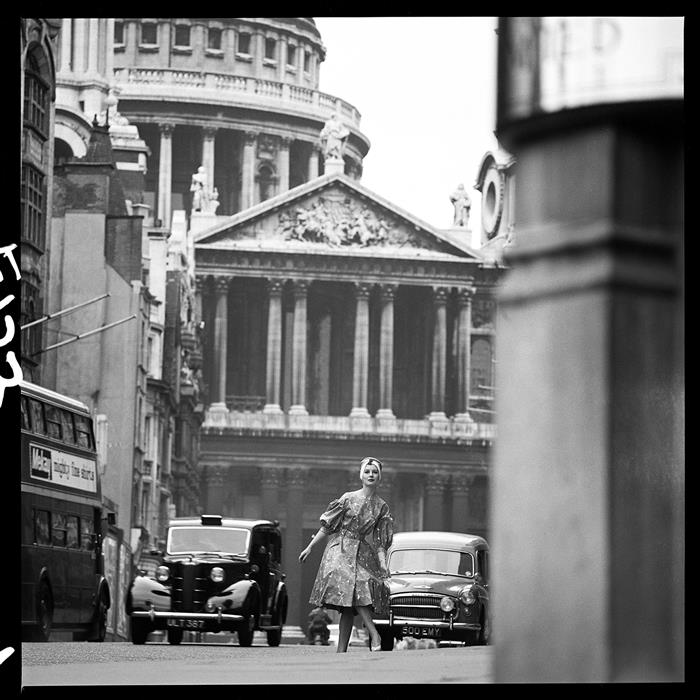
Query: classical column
[[258, 41], [66, 43], [215, 492], [433, 510], [281, 58], [271, 478], [208, 142], [93, 43], [439, 353], [248, 170], [220, 342], [298, 407], [313, 162], [464, 322], [79, 45], [297, 480], [283, 164], [388, 490], [459, 488], [361, 352], [274, 346], [386, 352], [165, 174]]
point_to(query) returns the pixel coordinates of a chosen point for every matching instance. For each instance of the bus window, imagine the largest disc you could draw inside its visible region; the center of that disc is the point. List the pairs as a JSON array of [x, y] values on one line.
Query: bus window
[[53, 421], [72, 532], [25, 413], [42, 531], [37, 412], [67, 425], [83, 431], [58, 530], [86, 532]]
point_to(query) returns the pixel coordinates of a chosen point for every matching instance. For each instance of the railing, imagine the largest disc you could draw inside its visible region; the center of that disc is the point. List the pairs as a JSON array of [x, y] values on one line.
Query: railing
[[131, 81], [245, 414]]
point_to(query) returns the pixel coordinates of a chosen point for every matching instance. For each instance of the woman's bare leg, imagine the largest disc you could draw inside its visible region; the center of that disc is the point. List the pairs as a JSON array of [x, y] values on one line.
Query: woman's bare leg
[[366, 614], [344, 629]]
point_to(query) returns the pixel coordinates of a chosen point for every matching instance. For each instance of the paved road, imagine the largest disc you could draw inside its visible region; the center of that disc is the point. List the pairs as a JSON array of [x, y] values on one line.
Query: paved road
[[122, 663]]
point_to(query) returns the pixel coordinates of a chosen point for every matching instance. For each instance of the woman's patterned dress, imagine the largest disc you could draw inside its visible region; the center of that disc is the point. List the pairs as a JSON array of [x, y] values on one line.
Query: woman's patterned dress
[[353, 566]]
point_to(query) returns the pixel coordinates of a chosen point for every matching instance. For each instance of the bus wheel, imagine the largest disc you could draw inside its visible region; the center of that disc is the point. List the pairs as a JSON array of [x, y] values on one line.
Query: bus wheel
[[174, 636], [44, 613], [139, 631], [100, 623]]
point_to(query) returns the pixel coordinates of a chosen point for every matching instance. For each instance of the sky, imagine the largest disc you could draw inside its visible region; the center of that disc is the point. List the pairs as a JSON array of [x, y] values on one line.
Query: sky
[[426, 91]]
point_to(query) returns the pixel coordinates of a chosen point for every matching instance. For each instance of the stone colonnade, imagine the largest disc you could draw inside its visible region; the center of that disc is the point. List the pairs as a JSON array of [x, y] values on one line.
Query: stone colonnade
[[361, 348]]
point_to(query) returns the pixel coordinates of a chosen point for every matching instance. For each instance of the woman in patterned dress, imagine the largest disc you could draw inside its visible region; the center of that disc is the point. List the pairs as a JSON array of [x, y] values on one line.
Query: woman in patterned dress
[[357, 529]]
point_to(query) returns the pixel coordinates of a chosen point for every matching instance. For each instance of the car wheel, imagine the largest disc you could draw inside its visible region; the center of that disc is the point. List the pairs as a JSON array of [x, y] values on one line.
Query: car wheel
[[274, 637], [174, 636], [44, 613], [246, 631], [387, 637], [100, 624], [485, 631], [139, 631]]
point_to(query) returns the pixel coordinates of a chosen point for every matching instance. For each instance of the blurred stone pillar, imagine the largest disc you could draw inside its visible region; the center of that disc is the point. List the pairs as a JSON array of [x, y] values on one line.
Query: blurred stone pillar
[[386, 352], [271, 479], [589, 458], [214, 476], [437, 406], [298, 407], [274, 346], [297, 480], [283, 164], [208, 149], [248, 169], [459, 489], [361, 352], [433, 508], [464, 322], [165, 173], [220, 343], [313, 159]]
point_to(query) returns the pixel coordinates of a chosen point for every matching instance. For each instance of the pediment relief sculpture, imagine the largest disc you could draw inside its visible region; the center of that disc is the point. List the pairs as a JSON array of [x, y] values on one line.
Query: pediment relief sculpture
[[342, 223]]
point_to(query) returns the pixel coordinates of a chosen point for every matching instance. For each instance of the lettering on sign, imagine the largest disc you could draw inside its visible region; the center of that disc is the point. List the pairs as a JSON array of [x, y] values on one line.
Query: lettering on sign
[[58, 467], [10, 358]]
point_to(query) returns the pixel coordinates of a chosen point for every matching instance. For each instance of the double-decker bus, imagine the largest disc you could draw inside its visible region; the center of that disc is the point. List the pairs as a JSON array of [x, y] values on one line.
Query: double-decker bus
[[62, 569]]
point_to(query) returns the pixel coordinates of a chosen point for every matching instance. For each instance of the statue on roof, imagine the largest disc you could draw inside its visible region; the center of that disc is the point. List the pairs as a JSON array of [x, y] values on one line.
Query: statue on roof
[[204, 197], [462, 204], [334, 136]]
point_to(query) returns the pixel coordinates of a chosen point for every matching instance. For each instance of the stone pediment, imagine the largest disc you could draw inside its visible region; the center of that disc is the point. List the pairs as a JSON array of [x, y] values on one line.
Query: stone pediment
[[332, 213]]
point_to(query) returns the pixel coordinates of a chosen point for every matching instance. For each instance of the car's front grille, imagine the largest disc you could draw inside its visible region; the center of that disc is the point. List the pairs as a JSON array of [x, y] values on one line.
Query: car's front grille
[[189, 591], [426, 607]]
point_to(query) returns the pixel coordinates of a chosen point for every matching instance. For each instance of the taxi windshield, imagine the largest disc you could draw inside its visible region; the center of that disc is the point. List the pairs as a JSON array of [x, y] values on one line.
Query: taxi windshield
[[441, 561], [225, 540]]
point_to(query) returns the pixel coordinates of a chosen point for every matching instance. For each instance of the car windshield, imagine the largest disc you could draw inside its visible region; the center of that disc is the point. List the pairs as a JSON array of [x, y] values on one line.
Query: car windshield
[[441, 561], [225, 540]]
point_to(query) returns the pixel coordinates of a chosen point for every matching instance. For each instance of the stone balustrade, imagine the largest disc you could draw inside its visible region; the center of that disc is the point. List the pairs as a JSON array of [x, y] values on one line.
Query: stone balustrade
[[157, 83], [450, 428]]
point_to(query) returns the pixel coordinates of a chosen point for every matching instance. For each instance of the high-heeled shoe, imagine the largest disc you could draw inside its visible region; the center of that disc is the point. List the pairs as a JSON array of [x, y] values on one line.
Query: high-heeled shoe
[[375, 648]]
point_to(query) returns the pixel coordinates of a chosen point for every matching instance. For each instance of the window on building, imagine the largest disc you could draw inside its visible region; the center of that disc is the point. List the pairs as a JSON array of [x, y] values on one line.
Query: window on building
[[182, 35], [307, 61], [214, 39], [86, 534], [243, 43], [83, 432], [270, 48], [481, 367], [119, 32], [149, 33], [67, 427], [24, 404], [30, 339], [291, 55], [32, 206], [37, 413], [36, 97]]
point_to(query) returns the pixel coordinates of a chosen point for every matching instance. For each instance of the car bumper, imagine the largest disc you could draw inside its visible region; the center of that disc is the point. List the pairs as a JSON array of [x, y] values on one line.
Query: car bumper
[[448, 625], [189, 620]]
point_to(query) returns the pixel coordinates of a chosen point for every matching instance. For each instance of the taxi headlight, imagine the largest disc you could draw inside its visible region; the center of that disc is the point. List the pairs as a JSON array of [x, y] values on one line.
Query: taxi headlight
[[467, 596], [447, 604], [162, 573], [216, 574]]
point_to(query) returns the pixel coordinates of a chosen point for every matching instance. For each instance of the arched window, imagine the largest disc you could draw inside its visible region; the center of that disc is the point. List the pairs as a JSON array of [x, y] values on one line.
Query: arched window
[[266, 181], [214, 38], [61, 151], [481, 367], [36, 94]]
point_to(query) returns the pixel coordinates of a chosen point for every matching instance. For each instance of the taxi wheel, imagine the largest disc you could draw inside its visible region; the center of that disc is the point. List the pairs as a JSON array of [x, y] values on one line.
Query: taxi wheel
[[101, 620], [274, 637], [247, 629], [174, 636], [387, 637], [139, 631], [485, 632]]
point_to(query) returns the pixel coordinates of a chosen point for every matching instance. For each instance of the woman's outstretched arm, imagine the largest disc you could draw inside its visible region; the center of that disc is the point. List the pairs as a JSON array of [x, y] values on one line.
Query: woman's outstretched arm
[[321, 536]]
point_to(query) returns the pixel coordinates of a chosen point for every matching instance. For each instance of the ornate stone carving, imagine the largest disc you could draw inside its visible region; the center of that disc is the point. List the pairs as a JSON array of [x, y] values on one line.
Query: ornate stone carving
[[267, 147], [440, 295], [275, 286], [462, 204], [337, 223], [436, 483], [362, 290], [461, 483], [297, 478], [166, 129], [271, 476], [483, 312], [388, 292], [465, 295], [251, 138], [222, 285]]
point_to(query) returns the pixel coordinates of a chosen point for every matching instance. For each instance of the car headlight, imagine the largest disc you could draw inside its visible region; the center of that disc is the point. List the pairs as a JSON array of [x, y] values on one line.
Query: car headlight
[[216, 574], [162, 573], [447, 604], [467, 596]]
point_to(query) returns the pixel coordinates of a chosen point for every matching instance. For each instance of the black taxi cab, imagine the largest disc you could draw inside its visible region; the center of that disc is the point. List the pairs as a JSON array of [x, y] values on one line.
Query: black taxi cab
[[216, 574], [438, 588]]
